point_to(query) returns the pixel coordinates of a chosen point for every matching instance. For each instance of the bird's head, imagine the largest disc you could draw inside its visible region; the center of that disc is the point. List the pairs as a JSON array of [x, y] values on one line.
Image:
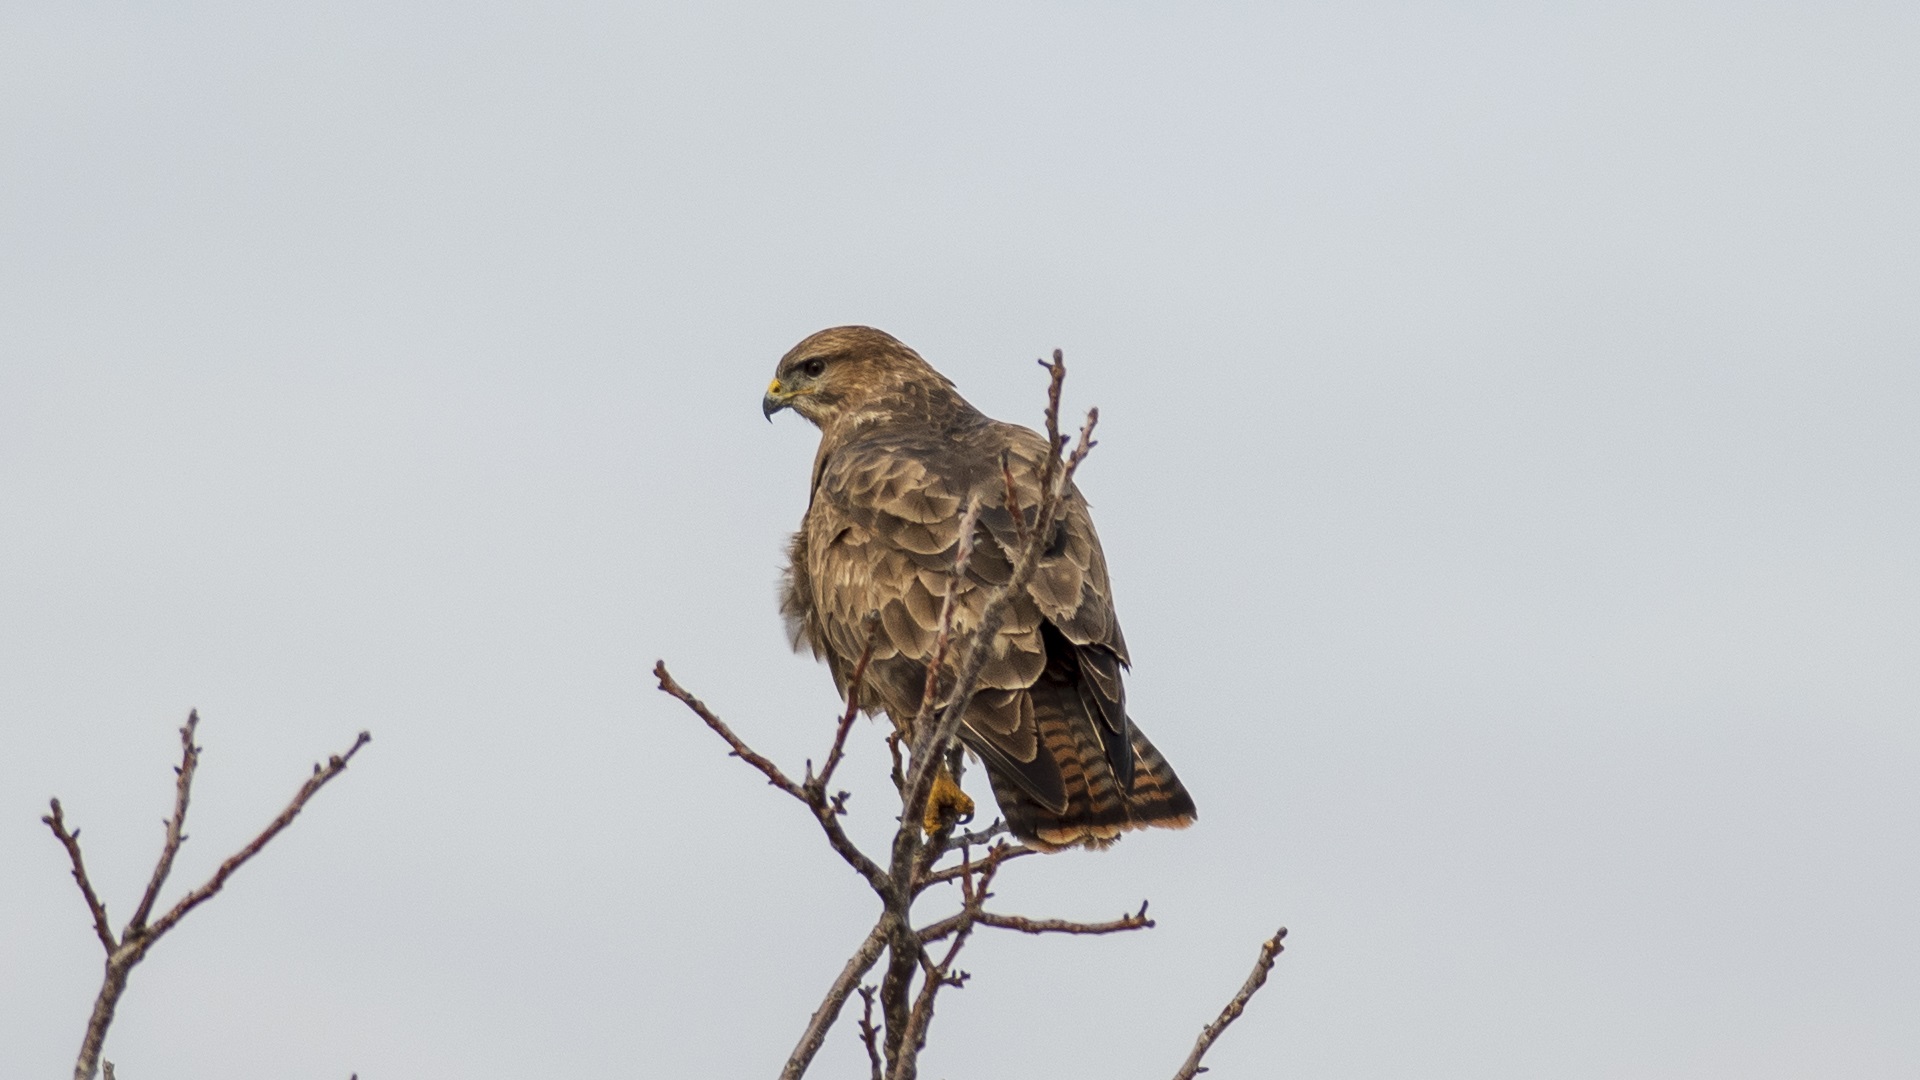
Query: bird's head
[[840, 376]]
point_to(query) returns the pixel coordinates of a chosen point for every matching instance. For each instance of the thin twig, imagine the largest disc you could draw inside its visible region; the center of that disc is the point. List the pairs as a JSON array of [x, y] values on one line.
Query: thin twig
[[1056, 381], [995, 828], [898, 771], [1013, 501], [965, 867], [962, 555], [321, 775], [856, 968], [182, 789], [71, 841], [1137, 921], [740, 749], [817, 785], [825, 811], [869, 1034], [1262, 964]]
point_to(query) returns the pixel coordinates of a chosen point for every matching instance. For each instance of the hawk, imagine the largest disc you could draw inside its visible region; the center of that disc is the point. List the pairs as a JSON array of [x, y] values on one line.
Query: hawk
[[901, 455]]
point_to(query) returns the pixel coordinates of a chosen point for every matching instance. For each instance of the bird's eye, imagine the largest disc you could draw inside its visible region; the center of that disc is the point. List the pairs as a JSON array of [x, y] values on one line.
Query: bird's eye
[[812, 368]]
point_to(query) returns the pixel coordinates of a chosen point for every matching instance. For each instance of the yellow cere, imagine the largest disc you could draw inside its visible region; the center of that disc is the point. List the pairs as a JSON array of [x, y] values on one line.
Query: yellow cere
[[773, 387]]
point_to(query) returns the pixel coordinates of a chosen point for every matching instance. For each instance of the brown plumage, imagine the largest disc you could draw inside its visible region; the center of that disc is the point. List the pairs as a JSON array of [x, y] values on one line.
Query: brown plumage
[[901, 453]]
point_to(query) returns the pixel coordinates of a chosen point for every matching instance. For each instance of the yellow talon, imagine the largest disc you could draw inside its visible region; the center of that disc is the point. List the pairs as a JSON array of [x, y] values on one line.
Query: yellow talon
[[946, 803]]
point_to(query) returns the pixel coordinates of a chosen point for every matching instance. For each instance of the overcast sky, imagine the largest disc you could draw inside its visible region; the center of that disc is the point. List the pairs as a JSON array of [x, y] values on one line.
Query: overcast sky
[[1510, 477]]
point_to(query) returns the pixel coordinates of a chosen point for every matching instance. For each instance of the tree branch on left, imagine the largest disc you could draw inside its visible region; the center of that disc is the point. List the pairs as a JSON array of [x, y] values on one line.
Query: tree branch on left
[[130, 946]]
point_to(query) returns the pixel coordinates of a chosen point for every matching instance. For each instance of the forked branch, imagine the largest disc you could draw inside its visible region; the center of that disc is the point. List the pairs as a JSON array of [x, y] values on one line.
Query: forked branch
[[131, 945]]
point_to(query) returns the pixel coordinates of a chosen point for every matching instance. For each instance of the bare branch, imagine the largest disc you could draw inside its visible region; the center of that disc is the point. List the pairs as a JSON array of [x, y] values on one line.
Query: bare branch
[[945, 928], [321, 775], [825, 811], [1056, 381], [182, 790], [913, 1034], [138, 938], [1262, 964], [996, 828], [933, 932], [896, 987], [962, 555], [817, 786], [857, 966], [966, 867], [934, 976], [1136, 921], [740, 749], [71, 841], [1013, 500], [1081, 450], [869, 1034]]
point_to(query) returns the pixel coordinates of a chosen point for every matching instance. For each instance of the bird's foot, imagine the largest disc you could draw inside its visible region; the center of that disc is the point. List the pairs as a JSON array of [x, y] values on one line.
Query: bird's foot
[[947, 805]]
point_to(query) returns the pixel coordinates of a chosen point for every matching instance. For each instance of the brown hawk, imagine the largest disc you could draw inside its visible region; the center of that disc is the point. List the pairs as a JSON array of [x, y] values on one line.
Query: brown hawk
[[901, 454]]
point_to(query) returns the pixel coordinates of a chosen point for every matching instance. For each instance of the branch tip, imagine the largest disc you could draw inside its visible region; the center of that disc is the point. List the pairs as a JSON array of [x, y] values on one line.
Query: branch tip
[[1270, 949]]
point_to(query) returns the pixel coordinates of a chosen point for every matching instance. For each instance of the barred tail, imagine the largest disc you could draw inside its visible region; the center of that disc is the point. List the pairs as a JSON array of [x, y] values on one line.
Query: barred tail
[[1094, 810]]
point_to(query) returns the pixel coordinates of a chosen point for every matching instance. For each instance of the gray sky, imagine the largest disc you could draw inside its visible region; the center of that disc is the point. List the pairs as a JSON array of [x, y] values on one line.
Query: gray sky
[[1510, 477]]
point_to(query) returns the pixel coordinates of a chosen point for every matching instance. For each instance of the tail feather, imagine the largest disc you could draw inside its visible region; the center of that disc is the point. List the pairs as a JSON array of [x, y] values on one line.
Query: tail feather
[[1098, 807]]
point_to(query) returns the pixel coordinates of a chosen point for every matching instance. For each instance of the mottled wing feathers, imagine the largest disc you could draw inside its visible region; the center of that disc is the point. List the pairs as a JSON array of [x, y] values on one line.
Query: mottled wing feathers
[[1049, 720]]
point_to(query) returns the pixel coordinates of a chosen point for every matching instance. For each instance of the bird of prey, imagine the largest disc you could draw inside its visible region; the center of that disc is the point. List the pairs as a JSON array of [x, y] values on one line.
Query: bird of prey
[[901, 455]]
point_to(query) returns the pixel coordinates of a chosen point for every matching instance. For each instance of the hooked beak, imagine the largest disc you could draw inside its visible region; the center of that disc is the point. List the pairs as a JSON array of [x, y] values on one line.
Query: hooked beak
[[775, 400]]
